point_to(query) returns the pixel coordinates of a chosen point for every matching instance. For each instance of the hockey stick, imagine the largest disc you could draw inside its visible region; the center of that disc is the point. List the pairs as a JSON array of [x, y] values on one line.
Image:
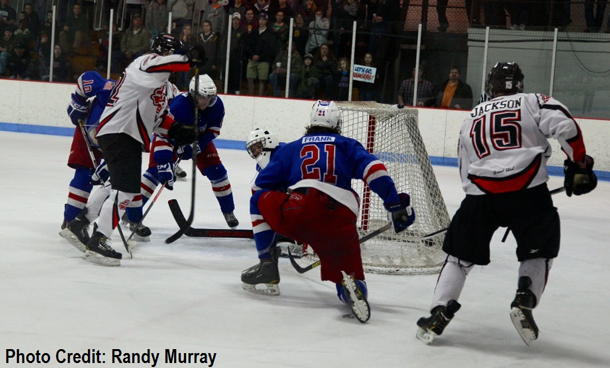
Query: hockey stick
[[189, 221], [205, 233], [129, 244], [553, 192], [146, 212], [373, 234], [83, 131]]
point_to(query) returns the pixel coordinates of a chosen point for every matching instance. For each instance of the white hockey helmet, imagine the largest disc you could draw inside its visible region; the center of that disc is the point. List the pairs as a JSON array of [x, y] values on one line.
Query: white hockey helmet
[[261, 152], [325, 114], [206, 88]]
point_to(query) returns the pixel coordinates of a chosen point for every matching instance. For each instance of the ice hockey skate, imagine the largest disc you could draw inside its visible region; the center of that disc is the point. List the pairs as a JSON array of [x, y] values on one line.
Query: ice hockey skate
[[231, 220], [434, 325], [296, 249], [141, 233], [77, 232], [521, 312], [100, 251], [356, 298], [180, 174], [265, 274]]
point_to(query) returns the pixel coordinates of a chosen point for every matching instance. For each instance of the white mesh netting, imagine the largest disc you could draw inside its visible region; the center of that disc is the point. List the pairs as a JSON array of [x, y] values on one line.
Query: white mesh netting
[[393, 136]]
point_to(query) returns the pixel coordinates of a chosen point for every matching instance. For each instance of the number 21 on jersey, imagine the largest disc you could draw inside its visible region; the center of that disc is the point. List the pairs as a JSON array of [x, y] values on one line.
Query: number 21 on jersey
[[318, 162]]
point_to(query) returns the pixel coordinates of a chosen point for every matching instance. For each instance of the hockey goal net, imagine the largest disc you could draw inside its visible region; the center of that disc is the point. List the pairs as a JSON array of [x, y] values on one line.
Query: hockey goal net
[[393, 136]]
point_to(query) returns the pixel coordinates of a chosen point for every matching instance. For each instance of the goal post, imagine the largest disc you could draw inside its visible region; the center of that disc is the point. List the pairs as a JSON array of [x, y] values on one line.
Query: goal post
[[393, 136]]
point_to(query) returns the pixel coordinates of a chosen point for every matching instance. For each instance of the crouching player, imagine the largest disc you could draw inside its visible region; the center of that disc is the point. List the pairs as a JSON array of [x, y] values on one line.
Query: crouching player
[[320, 207]]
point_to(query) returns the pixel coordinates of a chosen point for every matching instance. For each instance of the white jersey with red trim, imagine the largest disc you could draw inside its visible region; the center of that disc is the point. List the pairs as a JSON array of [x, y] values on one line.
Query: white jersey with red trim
[[138, 104], [503, 144]]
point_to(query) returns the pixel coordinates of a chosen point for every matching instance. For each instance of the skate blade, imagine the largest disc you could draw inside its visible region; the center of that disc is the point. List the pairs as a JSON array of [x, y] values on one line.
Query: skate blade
[[424, 335], [269, 289], [101, 260], [72, 239], [522, 326], [360, 306]]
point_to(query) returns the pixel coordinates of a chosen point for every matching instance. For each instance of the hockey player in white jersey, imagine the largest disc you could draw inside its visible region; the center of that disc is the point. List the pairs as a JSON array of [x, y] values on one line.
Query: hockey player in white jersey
[[136, 108], [503, 150]]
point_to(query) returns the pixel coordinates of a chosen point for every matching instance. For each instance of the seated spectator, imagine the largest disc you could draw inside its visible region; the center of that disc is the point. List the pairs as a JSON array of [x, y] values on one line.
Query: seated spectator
[[368, 91], [342, 80], [7, 45], [22, 32], [135, 42], [216, 14], [20, 64], [239, 7], [318, 32], [33, 19], [8, 16], [278, 77], [156, 17], [327, 65], [282, 5], [452, 93], [47, 25], [189, 40], [60, 66], [308, 79], [261, 6], [209, 40], [43, 47], [75, 33], [300, 34], [407, 88]]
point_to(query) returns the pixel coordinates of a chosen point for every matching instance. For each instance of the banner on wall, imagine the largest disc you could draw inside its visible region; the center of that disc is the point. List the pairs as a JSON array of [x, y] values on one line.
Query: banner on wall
[[364, 73]]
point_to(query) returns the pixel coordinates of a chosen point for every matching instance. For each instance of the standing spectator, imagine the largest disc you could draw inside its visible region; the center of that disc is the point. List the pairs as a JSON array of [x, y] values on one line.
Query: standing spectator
[[260, 54], [33, 19], [281, 29], [238, 7], [308, 79], [7, 45], [103, 52], [236, 54], [519, 13], [209, 41], [43, 47], [368, 91], [308, 11], [318, 32], [8, 16], [47, 25], [342, 81], [327, 65], [261, 6], [452, 93], [60, 66], [217, 15], [285, 9], [189, 40], [156, 17], [278, 77], [249, 23], [594, 21], [425, 89], [75, 32], [386, 26], [20, 63], [135, 42], [23, 32], [300, 34], [182, 13]]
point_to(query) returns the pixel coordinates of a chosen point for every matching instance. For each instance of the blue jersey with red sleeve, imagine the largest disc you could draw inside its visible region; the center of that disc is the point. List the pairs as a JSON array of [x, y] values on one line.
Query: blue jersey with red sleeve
[[328, 162], [96, 89], [209, 120]]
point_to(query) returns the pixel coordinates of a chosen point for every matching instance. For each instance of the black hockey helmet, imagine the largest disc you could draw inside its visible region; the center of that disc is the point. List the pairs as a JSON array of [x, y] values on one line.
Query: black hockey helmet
[[505, 77], [165, 42]]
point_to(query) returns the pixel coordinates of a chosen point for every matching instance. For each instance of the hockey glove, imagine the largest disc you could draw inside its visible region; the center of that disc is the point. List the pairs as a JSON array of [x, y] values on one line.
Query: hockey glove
[[401, 214], [182, 134], [185, 152], [579, 180], [165, 174], [101, 174], [196, 56], [78, 109]]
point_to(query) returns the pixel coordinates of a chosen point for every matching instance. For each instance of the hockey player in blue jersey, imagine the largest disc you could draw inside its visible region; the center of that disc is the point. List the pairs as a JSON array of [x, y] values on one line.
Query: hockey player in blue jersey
[[319, 207], [86, 107], [164, 152]]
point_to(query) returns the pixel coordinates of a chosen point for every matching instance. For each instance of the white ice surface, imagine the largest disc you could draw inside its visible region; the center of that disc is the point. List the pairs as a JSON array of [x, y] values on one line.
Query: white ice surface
[[188, 296]]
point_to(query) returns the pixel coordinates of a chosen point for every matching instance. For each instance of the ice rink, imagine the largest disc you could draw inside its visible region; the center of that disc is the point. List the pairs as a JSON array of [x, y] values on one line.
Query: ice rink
[[187, 296]]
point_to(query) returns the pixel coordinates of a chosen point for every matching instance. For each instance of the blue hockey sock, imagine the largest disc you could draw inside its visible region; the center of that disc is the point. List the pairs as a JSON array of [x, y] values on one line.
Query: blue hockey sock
[[221, 186], [80, 188]]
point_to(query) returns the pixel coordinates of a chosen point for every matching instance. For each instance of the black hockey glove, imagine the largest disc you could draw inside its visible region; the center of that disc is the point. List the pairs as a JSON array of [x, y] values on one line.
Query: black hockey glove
[[578, 180], [196, 56], [401, 214], [182, 134]]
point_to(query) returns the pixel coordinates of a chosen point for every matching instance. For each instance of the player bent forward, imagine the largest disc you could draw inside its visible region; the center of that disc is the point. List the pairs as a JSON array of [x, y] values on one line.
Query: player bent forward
[[319, 207], [503, 150]]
